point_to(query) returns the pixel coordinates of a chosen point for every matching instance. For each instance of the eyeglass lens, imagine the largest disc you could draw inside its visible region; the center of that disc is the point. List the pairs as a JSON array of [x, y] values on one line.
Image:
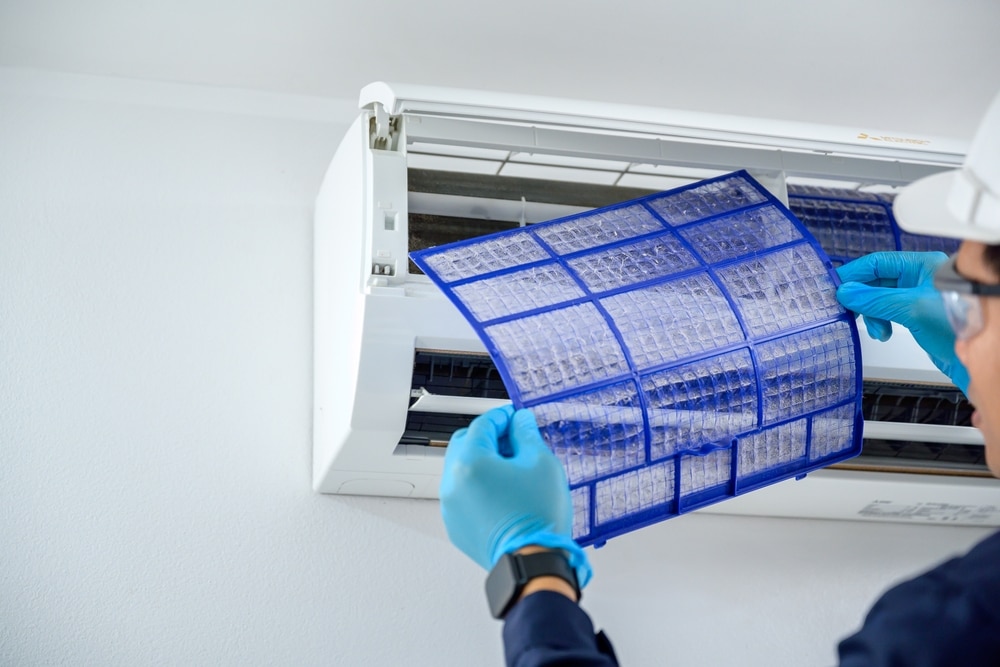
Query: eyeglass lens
[[965, 313]]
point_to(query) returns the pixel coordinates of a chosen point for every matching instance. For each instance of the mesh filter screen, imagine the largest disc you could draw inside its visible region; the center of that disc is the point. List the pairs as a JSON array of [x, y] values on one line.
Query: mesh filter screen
[[677, 350]]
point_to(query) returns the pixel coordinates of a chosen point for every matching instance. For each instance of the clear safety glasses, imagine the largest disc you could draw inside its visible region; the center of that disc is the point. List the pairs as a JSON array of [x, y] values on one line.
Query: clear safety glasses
[[962, 299]]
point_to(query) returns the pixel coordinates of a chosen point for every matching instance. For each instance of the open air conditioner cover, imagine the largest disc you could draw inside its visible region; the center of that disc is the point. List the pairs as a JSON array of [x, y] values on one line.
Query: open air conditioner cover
[[398, 367]]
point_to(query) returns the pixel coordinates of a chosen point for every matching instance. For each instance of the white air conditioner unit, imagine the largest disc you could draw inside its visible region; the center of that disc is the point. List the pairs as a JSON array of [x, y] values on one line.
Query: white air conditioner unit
[[397, 368]]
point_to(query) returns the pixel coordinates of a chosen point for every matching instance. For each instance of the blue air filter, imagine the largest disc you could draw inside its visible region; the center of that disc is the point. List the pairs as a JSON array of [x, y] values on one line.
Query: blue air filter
[[852, 223], [677, 350]]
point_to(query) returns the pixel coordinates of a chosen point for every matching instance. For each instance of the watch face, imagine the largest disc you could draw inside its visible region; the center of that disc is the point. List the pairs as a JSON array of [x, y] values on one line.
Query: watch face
[[502, 585]]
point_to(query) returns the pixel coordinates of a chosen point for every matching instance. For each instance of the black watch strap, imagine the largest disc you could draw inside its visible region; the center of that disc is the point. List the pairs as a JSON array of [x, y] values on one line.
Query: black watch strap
[[512, 573]]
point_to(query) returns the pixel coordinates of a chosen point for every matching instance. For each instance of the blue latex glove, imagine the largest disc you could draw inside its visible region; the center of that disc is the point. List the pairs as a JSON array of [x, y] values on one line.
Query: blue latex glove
[[887, 287], [495, 503]]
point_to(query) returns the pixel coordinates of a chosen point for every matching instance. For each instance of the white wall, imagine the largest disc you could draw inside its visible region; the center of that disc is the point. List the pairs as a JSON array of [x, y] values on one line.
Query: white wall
[[918, 67], [155, 396]]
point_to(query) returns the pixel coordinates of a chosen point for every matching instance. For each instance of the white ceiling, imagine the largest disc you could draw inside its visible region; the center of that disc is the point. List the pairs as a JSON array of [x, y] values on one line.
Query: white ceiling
[[918, 66]]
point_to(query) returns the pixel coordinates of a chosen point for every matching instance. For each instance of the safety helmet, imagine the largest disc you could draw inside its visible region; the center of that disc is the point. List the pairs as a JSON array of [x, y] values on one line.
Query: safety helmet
[[962, 203]]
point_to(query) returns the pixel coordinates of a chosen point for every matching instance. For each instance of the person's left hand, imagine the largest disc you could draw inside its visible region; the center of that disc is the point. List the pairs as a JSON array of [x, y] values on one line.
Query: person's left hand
[[898, 287], [503, 489]]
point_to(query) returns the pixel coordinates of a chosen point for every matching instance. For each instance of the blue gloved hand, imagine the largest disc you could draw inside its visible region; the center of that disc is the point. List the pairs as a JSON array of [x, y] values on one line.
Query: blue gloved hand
[[495, 503], [887, 287]]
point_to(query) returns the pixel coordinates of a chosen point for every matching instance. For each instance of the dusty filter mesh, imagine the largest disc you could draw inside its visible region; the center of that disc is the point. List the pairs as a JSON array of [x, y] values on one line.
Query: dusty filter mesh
[[852, 223], [677, 349]]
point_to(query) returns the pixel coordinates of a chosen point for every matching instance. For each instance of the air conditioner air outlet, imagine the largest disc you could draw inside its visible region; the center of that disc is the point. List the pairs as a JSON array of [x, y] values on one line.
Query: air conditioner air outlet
[[908, 427]]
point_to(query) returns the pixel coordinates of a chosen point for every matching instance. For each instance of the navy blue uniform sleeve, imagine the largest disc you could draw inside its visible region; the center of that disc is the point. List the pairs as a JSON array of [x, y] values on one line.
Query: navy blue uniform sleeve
[[548, 629], [948, 616]]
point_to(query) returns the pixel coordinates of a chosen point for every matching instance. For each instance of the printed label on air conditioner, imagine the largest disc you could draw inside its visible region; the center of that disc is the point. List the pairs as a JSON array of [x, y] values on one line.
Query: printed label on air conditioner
[[931, 512]]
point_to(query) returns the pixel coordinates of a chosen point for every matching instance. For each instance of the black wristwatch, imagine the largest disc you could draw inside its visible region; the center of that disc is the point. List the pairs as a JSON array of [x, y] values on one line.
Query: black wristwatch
[[512, 573]]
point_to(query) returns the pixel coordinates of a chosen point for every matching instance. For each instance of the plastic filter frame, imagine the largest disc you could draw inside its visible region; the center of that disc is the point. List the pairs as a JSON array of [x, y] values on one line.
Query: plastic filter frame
[[677, 350]]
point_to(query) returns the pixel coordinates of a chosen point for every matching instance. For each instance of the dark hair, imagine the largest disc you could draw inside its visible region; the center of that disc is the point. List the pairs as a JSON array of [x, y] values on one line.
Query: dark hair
[[992, 257]]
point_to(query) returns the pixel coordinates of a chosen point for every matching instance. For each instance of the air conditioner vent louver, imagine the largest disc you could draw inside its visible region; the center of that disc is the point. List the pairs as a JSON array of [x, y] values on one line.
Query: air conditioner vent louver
[[916, 404], [926, 455], [893, 403], [432, 429], [451, 374], [473, 376]]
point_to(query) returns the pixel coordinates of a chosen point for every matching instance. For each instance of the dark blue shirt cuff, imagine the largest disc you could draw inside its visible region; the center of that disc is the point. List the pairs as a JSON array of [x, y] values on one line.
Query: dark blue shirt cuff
[[547, 628]]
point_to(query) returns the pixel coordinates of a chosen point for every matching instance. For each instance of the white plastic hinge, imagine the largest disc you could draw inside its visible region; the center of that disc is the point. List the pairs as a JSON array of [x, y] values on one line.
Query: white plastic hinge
[[384, 129], [383, 269]]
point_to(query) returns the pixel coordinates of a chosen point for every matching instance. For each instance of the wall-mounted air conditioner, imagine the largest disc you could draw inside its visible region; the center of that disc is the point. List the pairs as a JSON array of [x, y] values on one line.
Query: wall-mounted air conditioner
[[398, 369]]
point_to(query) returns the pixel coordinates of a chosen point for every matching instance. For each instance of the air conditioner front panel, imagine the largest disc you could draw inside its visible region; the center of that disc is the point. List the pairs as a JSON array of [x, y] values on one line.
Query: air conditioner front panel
[[603, 118], [871, 496], [338, 308]]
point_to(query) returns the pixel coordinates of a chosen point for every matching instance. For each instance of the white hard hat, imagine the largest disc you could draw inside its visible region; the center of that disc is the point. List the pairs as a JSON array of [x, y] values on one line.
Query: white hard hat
[[964, 203]]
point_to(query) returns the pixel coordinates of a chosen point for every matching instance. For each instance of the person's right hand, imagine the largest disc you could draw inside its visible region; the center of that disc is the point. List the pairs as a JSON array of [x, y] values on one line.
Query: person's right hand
[[886, 287], [503, 489]]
